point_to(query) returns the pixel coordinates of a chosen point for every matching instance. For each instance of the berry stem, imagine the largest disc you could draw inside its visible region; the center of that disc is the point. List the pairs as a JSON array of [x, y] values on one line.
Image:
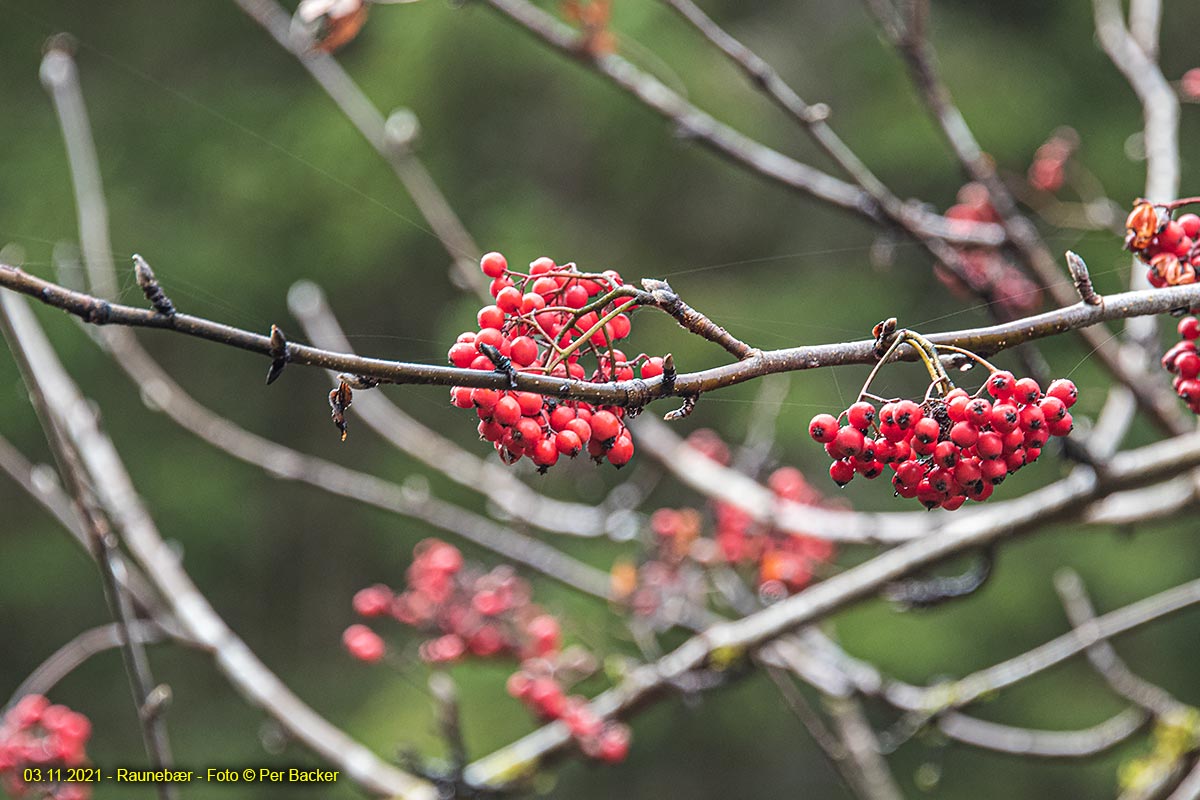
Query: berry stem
[[949, 348], [587, 335]]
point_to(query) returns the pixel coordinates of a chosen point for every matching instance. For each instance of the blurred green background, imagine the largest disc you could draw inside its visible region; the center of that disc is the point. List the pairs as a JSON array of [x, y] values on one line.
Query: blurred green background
[[236, 176]]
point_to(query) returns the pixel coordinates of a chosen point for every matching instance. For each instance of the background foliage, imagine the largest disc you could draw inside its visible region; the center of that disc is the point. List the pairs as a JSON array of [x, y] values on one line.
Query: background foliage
[[235, 177]]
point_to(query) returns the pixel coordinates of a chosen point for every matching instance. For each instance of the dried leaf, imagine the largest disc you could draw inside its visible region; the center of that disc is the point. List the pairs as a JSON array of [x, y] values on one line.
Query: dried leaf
[[339, 400], [331, 24]]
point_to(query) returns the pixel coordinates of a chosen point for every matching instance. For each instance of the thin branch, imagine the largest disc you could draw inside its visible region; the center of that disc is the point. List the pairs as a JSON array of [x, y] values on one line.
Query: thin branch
[[399, 154], [196, 617], [1103, 656], [741, 149], [634, 393]]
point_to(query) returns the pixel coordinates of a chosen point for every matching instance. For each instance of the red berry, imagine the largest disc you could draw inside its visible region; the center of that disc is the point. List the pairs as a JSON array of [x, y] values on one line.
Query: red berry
[[509, 300], [462, 354], [523, 351], [1000, 384], [568, 443], [861, 415], [507, 410], [490, 317], [849, 441], [373, 601], [613, 745], [1027, 391], [1065, 391], [1190, 222], [652, 368], [363, 643], [842, 472], [621, 451], [964, 434], [605, 425], [927, 431], [823, 428], [493, 264]]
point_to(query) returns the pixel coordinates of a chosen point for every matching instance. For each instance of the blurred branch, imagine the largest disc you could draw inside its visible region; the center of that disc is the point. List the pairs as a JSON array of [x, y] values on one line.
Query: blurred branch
[[872, 777], [399, 154], [1026, 742], [79, 650], [838, 591], [1103, 656], [695, 124], [101, 538], [198, 620], [633, 393]]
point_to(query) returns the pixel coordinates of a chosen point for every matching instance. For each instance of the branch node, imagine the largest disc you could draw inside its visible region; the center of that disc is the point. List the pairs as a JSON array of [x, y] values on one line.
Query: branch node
[[1083, 280], [149, 283], [279, 354], [157, 702], [669, 374]]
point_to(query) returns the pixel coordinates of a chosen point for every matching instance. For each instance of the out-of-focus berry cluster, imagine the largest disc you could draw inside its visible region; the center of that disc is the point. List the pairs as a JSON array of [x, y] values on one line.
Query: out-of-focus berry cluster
[[37, 735], [471, 612], [987, 271], [685, 542]]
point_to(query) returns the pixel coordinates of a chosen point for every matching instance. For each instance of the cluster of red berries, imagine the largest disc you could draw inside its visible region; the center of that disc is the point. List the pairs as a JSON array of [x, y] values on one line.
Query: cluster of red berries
[[987, 271], [948, 450], [1183, 361], [546, 321], [783, 562], [487, 614], [539, 685], [1171, 247], [1048, 170], [37, 735], [471, 611]]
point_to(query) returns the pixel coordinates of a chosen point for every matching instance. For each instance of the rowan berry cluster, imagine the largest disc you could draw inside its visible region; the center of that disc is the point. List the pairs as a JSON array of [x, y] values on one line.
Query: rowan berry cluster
[[37, 735], [488, 614], [548, 321], [1171, 247], [986, 271], [950, 449], [1183, 361], [782, 563]]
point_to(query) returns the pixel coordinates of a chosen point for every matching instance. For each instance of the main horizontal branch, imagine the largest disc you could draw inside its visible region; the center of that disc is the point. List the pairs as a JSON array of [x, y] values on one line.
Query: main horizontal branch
[[984, 341]]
